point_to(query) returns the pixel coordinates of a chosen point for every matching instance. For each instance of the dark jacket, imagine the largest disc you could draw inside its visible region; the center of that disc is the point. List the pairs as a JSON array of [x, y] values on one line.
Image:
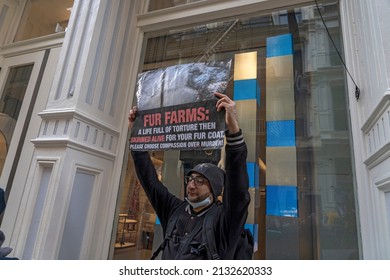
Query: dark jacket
[[231, 215], [4, 251], [2, 201]]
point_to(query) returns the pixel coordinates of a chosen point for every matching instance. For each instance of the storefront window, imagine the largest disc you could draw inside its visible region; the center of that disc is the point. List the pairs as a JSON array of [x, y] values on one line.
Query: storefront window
[[43, 17], [296, 127]]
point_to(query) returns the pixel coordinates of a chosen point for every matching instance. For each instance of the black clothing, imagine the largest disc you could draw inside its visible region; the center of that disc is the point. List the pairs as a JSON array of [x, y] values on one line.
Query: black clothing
[[2, 201], [4, 251], [231, 215]]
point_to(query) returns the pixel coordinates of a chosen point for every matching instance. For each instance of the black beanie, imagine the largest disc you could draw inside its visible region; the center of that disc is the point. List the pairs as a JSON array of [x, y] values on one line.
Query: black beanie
[[214, 174]]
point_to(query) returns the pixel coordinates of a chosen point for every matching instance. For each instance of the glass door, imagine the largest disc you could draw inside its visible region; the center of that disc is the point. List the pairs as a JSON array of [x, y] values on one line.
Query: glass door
[[19, 76]]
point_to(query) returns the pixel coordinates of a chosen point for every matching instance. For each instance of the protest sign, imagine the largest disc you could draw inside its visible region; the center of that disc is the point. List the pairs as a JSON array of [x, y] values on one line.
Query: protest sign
[[191, 126], [177, 107]]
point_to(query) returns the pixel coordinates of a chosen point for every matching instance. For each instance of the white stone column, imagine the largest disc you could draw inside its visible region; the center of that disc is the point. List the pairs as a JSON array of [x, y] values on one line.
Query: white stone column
[[68, 206], [366, 39]]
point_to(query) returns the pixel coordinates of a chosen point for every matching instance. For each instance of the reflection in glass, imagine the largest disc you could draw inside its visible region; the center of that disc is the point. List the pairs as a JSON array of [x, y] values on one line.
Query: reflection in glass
[[163, 4], [10, 104], [136, 219], [43, 17]]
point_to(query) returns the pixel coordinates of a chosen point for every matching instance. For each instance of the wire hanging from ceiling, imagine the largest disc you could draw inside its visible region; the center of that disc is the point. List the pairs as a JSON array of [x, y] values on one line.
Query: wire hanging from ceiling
[[357, 89]]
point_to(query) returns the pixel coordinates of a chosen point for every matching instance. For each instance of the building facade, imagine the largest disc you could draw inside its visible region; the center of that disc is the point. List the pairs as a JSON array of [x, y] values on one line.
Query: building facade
[[311, 83]]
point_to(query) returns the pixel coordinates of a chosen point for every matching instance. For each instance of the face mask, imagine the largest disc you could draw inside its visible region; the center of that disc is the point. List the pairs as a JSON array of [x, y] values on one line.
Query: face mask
[[204, 202]]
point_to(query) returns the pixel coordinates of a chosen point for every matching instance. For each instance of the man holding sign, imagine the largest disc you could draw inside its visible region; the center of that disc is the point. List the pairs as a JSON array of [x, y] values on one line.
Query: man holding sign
[[183, 221]]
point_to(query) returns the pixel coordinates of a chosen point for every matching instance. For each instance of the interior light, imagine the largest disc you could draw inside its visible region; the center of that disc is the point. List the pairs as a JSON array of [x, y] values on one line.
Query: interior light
[[245, 66]]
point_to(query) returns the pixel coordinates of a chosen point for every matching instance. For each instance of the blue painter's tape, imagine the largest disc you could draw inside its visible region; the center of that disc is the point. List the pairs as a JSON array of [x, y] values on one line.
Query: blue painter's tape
[[282, 201], [279, 45], [247, 89], [251, 228], [253, 174], [281, 133]]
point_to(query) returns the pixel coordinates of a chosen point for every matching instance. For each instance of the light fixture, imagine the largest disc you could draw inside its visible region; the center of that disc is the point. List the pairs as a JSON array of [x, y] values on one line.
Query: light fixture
[[245, 66]]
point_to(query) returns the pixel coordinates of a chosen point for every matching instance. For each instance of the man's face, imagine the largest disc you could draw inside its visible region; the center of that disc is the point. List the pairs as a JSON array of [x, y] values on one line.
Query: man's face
[[198, 187]]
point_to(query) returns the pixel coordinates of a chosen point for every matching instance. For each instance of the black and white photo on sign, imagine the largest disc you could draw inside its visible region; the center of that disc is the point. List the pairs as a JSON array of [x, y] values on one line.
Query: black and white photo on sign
[[180, 84], [177, 107]]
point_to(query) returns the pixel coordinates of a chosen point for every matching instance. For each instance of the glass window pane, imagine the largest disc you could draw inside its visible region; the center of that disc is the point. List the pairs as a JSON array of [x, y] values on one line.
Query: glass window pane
[[43, 17], [10, 103], [136, 220], [163, 4], [298, 125]]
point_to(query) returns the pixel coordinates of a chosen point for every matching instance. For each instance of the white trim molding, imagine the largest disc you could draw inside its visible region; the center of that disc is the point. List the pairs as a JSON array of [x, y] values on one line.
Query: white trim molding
[[383, 187], [72, 128], [377, 133]]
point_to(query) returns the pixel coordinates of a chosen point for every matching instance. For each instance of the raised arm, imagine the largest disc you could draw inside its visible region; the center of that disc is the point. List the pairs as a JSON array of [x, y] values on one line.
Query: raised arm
[[236, 197], [161, 199]]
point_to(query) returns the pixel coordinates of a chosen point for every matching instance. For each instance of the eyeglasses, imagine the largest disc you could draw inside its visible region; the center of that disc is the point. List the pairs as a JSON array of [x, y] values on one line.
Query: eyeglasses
[[198, 180]]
